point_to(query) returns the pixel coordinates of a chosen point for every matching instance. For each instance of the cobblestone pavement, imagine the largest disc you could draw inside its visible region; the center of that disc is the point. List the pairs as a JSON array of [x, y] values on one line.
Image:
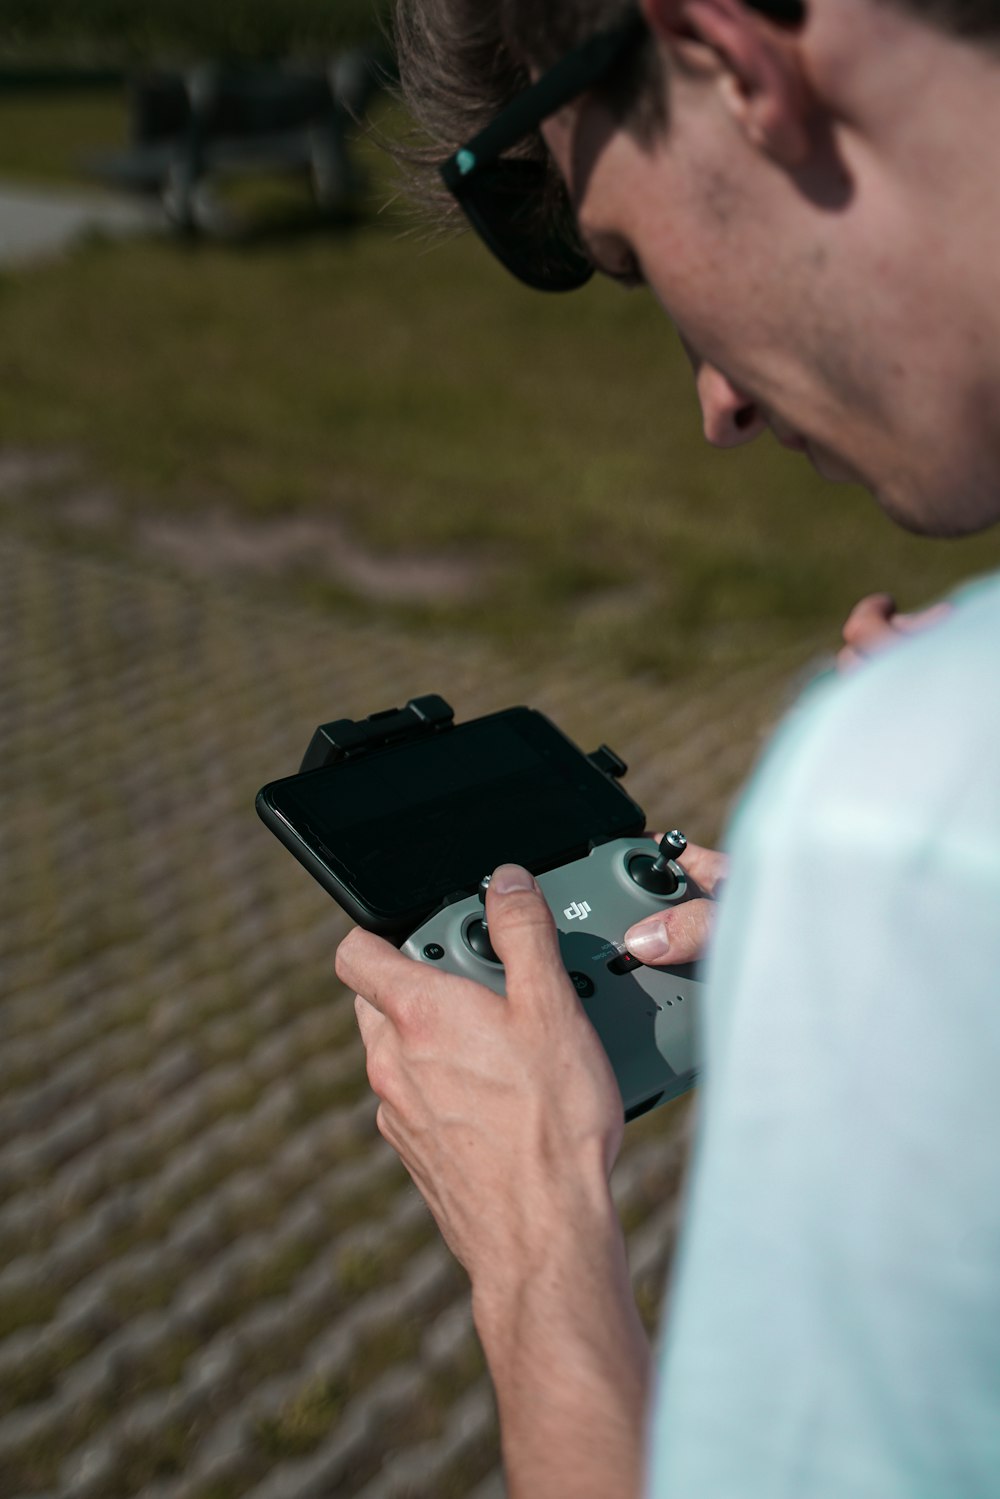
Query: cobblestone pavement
[[215, 1279]]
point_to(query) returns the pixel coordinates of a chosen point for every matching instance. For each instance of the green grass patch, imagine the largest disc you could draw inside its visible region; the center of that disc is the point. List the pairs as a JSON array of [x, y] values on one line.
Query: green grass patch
[[37, 1376], [314, 1097], [369, 1202], [34, 1468], [360, 1270], [425, 405], [305, 1420], [145, 29], [457, 1376], [47, 138], [27, 1308], [279, 1274], [161, 1456], [475, 1463]]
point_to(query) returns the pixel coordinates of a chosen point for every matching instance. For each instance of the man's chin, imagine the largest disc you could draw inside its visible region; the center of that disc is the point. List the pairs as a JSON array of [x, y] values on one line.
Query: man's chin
[[910, 506], [925, 515]]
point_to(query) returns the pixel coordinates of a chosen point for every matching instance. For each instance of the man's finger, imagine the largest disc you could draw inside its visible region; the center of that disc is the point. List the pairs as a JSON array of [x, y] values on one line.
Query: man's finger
[[523, 933], [678, 935], [706, 866], [376, 971], [911, 624], [875, 623], [869, 621], [370, 1021]]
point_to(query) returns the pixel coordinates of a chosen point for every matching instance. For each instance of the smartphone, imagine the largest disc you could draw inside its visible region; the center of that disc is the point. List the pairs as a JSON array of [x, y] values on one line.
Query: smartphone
[[397, 832]]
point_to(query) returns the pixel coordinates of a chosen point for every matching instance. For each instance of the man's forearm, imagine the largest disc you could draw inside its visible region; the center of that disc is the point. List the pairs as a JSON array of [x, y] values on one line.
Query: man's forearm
[[570, 1364]]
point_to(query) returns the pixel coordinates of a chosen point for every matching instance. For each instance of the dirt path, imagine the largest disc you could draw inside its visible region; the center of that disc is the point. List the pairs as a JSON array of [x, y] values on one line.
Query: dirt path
[[36, 222]]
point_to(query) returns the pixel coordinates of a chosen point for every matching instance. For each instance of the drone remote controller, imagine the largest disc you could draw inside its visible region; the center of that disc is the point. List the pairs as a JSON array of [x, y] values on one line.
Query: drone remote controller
[[643, 1016], [402, 815]]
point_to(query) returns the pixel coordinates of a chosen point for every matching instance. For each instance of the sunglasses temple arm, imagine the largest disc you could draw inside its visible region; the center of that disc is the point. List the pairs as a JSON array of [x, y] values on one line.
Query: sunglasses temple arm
[[567, 80]]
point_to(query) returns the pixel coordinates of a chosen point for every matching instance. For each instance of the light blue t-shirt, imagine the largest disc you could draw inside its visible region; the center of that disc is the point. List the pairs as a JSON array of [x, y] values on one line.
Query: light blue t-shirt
[[833, 1329]]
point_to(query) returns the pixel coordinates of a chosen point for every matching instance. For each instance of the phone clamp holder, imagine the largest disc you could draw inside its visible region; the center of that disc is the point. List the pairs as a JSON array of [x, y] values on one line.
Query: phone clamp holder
[[345, 739], [349, 739]]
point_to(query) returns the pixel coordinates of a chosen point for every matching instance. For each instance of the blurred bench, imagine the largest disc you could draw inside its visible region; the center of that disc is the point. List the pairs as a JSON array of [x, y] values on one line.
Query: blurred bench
[[210, 121]]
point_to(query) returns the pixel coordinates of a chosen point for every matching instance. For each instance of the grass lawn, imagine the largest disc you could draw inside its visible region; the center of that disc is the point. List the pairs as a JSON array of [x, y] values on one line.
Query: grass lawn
[[45, 138], [431, 407]]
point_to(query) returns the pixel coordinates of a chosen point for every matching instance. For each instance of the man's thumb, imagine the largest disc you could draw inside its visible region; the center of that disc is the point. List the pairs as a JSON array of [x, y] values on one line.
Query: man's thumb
[[522, 931], [680, 935]]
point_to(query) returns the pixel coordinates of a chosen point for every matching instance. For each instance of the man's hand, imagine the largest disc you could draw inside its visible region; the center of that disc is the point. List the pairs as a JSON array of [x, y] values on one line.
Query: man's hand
[[680, 934], [875, 623], [502, 1110], [507, 1115]]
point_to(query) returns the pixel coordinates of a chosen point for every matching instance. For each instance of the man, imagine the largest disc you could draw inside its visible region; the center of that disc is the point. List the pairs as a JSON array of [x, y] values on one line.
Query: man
[[812, 195]]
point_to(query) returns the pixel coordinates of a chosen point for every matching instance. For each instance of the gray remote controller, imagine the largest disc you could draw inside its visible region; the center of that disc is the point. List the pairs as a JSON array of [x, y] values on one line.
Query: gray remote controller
[[643, 1016]]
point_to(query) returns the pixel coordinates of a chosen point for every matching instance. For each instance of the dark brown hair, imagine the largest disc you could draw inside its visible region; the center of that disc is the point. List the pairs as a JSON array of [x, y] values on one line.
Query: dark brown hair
[[461, 61]]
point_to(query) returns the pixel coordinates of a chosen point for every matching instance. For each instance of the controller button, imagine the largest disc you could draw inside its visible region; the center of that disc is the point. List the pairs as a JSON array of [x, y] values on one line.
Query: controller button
[[583, 984], [625, 963], [434, 951]]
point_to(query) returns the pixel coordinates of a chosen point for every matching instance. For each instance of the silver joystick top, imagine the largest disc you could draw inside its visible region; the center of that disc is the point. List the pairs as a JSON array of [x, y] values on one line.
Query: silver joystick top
[[671, 846]]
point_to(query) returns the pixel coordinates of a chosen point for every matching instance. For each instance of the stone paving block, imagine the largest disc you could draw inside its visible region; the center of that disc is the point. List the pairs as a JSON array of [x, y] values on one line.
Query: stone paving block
[[323, 1472], [28, 1427], [421, 1469], [448, 1335]]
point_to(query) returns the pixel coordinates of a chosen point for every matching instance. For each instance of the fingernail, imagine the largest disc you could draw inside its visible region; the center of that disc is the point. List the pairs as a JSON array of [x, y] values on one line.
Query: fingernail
[[511, 877], [648, 940]]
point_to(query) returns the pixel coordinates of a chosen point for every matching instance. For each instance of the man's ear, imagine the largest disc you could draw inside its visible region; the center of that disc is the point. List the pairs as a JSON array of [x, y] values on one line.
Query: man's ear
[[756, 61]]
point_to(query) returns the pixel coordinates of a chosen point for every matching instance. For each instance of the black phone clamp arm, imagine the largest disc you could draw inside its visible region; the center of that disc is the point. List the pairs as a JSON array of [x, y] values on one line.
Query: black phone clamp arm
[[345, 739]]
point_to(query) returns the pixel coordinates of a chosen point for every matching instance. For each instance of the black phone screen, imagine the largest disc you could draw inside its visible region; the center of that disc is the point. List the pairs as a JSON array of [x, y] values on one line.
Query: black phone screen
[[407, 826]]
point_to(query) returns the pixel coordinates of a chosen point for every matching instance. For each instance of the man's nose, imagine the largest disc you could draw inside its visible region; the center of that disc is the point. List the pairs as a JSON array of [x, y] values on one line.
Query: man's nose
[[729, 418]]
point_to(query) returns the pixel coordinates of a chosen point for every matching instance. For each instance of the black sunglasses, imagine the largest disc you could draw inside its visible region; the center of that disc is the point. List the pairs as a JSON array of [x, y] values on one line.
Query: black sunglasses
[[503, 197], [508, 200]]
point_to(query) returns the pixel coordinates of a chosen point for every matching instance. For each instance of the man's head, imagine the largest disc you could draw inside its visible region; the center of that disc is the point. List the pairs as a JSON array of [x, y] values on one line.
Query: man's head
[[811, 199]]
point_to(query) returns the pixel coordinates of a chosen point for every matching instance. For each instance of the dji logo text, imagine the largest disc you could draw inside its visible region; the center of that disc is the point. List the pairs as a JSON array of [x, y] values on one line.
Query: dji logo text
[[578, 911]]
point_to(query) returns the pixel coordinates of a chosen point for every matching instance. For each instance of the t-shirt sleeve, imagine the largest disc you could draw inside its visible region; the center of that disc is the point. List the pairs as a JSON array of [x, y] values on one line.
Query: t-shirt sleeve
[[834, 1324]]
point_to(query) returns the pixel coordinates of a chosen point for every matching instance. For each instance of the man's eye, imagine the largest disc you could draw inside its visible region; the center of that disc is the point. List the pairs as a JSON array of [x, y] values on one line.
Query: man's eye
[[612, 257], [628, 272]]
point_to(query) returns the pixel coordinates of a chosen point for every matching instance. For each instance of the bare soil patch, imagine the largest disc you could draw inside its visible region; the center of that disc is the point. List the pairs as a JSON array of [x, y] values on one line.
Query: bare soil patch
[[217, 541]]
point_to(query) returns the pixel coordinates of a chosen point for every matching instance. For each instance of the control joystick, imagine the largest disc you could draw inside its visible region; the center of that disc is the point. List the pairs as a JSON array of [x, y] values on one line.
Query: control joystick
[[660, 875], [476, 933]]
